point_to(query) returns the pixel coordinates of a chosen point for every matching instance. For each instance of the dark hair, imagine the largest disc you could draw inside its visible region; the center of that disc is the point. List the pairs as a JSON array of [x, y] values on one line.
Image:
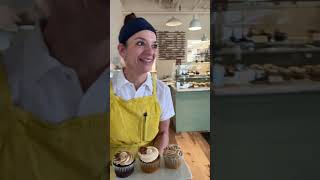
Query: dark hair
[[132, 25], [129, 17]]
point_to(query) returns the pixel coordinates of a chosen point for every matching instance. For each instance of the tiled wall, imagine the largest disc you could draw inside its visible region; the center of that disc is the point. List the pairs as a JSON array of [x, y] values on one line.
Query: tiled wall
[[172, 45]]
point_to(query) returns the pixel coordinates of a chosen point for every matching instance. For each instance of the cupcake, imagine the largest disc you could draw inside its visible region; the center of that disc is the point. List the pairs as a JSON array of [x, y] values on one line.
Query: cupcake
[[149, 159], [123, 164], [172, 156]]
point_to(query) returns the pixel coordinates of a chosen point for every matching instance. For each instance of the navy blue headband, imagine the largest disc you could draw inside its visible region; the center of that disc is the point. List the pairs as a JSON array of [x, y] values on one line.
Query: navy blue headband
[[132, 27]]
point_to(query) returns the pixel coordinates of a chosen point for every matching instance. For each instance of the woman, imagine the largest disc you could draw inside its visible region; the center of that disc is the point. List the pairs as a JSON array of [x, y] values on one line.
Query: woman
[[140, 105]]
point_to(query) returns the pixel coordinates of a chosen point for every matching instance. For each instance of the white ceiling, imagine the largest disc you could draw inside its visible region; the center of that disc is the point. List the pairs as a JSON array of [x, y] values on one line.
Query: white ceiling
[[165, 5], [160, 11]]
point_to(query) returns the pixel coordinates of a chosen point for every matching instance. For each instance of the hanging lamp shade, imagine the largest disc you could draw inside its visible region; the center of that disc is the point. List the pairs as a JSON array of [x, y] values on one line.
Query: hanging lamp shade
[[195, 24], [173, 22]]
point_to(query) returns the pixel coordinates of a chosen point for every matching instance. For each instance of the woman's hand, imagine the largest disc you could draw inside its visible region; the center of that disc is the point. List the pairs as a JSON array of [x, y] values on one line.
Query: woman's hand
[[162, 139]]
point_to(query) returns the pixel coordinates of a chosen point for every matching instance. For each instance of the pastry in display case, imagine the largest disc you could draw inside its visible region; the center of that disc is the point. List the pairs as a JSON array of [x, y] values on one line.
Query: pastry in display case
[[267, 73], [287, 73], [193, 76]]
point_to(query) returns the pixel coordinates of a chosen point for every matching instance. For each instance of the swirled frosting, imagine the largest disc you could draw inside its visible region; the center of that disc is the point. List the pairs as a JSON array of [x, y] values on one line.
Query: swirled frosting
[[148, 154], [173, 151], [123, 158]]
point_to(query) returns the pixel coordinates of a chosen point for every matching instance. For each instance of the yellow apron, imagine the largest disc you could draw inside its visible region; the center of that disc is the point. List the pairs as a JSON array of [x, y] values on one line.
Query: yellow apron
[[31, 149], [134, 123]]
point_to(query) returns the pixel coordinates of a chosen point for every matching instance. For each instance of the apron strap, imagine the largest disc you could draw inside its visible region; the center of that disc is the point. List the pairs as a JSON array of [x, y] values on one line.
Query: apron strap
[[112, 93], [154, 87]]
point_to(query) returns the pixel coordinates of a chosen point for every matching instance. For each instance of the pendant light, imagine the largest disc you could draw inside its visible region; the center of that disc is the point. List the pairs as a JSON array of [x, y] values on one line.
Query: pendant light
[[173, 22], [195, 24]]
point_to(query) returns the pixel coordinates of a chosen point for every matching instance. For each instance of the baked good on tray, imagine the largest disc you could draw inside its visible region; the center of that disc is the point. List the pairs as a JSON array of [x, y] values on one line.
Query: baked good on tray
[[149, 159], [172, 156], [123, 164]]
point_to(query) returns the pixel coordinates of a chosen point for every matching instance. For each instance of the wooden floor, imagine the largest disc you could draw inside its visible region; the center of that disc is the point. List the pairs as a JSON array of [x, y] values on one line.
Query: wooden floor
[[196, 153]]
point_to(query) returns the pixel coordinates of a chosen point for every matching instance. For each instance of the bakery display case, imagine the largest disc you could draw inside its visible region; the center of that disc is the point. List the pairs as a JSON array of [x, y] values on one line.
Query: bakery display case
[[193, 76], [271, 73], [192, 92], [192, 89], [268, 94], [266, 51], [268, 74]]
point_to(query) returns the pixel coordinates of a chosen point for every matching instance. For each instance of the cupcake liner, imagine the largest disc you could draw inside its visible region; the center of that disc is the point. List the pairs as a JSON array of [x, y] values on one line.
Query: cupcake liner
[[151, 166], [123, 171], [172, 162]]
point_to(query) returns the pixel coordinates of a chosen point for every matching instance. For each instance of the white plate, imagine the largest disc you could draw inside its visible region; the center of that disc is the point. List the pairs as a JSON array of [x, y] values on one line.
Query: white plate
[[182, 173]]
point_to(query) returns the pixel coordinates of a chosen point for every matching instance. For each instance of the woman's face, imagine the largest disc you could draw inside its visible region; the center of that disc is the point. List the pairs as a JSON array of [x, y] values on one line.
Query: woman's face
[[140, 51]]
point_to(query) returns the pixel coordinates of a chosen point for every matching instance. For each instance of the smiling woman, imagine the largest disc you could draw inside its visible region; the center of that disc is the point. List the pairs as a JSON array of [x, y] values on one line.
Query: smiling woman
[[140, 105]]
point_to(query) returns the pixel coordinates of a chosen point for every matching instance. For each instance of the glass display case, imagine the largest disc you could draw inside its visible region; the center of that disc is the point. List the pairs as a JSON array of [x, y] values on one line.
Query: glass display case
[[193, 76], [192, 91], [257, 48]]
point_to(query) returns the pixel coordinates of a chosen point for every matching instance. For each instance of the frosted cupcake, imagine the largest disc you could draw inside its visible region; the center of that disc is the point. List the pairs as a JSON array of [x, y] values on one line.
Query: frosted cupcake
[[172, 156], [123, 164], [149, 159]]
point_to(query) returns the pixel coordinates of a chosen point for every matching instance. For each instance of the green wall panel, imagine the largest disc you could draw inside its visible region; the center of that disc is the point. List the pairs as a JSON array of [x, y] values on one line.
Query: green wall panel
[[193, 111]]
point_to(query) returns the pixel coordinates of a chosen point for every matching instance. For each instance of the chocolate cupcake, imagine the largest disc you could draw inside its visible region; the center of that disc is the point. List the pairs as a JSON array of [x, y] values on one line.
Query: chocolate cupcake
[[172, 156], [149, 159], [123, 164]]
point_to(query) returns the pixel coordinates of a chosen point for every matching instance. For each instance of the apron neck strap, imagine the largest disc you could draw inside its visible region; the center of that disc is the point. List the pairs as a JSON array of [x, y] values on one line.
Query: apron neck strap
[[112, 93], [154, 86]]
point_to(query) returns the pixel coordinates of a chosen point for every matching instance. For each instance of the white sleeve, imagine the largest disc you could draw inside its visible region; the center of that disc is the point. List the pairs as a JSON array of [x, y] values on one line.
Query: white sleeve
[[167, 109]]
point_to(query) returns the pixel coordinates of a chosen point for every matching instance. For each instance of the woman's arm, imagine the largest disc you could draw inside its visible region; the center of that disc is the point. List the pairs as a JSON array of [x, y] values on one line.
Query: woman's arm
[[162, 139]]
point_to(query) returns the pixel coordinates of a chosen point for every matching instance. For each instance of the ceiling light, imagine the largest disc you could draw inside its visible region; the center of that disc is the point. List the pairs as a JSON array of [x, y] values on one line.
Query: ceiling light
[[194, 24], [173, 22]]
